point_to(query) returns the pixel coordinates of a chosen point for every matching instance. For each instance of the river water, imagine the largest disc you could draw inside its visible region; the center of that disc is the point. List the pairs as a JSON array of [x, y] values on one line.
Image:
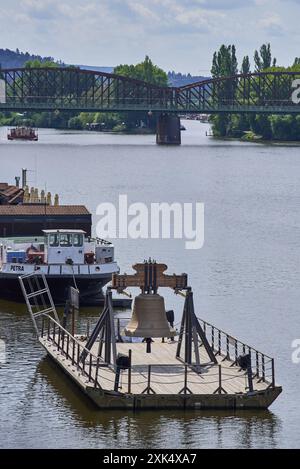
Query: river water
[[245, 281]]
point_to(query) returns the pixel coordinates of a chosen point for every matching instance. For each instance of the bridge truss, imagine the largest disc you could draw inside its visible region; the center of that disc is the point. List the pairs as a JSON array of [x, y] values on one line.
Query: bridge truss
[[49, 89]]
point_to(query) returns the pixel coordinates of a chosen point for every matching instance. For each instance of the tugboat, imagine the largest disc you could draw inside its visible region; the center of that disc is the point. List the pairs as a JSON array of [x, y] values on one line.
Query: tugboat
[[66, 257], [23, 133]]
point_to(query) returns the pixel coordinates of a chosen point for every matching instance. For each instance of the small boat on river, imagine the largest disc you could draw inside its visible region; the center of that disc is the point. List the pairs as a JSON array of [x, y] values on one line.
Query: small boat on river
[[23, 133]]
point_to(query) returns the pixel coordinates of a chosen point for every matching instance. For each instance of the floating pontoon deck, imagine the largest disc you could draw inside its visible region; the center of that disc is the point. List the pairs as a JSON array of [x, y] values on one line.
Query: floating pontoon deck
[[202, 368]]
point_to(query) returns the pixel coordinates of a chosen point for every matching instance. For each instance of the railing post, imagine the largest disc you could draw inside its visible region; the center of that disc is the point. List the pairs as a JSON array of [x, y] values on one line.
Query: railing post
[[129, 371], [48, 331], [273, 373], [63, 342], [68, 340], [118, 328], [73, 350], [96, 372], [149, 379], [42, 333], [54, 333], [185, 378], [220, 389], [263, 367], [213, 337], [235, 350], [148, 389], [90, 367], [58, 342], [220, 380], [257, 364], [227, 347], [185, 388], [78, 356], [219, 342]]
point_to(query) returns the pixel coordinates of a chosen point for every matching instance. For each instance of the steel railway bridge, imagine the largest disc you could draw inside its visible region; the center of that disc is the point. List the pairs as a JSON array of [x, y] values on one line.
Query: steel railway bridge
[[74, 89]]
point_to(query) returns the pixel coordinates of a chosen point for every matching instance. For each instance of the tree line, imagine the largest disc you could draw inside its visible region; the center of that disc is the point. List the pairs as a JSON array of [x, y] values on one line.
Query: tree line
[[252, 127]]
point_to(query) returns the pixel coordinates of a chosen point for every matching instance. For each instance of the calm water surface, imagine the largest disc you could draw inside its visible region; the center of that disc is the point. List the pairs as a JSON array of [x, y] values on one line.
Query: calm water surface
[[245, 278]]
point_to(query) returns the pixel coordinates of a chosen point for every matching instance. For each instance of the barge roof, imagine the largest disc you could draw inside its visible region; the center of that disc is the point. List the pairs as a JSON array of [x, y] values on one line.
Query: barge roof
[[41, 209]]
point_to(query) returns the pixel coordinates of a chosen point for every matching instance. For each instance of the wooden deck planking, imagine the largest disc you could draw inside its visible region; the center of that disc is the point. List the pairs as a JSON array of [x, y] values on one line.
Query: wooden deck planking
[[167, 372]]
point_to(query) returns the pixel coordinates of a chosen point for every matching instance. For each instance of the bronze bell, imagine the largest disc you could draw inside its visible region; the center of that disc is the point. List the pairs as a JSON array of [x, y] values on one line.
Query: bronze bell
[[149, 318]]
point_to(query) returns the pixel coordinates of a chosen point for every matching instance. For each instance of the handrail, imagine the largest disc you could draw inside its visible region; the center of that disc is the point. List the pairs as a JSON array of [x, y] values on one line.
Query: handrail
[[225, 333], [72, 348], [262, 365], [231, 348], [64, 338]]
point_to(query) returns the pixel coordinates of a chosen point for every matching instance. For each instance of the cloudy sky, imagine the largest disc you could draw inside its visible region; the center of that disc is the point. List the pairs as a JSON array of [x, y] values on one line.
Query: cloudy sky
[[178, 35]]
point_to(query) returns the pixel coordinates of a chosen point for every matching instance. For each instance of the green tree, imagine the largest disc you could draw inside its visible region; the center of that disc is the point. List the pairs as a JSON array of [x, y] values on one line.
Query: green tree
[[145, 71], [263, 58], [224, 64], [245, 65], [148, 72], [38, 64]]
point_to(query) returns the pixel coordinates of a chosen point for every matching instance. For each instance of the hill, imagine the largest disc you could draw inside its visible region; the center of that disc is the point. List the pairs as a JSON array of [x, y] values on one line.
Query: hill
[[179, 79], [15, 59]]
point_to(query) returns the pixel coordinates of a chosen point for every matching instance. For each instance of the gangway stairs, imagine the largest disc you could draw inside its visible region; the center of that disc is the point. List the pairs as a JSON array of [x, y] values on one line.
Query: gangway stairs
[[38, 297]]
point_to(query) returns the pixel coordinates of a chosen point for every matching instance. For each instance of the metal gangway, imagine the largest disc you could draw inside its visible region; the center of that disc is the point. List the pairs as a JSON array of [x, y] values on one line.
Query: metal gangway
[[38, 297]]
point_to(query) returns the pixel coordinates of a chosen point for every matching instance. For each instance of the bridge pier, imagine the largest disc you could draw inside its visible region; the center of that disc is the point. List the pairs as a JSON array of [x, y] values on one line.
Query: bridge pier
[[168, 130]]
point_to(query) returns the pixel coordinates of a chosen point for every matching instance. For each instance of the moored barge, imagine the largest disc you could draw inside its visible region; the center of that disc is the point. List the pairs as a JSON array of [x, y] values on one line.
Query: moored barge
[[23, 133]]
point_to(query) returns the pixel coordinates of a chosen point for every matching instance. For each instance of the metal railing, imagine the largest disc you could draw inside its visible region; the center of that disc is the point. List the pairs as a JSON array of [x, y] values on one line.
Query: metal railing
[[151, 378], [71, 348], [231, 348]]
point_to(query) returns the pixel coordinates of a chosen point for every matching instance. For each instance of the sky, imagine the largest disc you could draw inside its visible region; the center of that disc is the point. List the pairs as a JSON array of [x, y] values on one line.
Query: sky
[[178, 35]]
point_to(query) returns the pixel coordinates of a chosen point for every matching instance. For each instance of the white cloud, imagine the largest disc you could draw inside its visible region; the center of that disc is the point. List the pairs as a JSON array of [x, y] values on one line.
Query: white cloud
[[177, 34], [143, 10], [272, 24]]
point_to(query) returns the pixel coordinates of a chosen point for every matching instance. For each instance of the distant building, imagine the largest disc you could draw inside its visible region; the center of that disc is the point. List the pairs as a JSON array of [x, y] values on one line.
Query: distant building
[[24, 213], [30, 220], [10, 194]]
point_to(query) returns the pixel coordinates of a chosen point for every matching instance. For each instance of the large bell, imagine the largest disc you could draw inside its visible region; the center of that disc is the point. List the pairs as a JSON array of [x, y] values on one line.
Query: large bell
[[149, 318]]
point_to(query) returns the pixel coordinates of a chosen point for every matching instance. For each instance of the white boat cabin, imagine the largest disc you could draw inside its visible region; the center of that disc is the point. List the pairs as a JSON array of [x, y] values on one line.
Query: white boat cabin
[[64, 247], [58, 247]]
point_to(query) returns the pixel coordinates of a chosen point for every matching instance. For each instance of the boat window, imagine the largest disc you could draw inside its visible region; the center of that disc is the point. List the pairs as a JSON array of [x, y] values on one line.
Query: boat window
[[78, 240], [66, 240], [53, 240]]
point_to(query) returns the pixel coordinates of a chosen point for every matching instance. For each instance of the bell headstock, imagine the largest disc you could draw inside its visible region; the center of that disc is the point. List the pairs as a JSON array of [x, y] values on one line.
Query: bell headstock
[[149, 277]]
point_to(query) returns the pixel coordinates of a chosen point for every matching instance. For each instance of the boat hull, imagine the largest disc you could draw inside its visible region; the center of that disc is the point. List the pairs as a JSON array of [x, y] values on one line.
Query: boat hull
[[90, 288], [29, 139]]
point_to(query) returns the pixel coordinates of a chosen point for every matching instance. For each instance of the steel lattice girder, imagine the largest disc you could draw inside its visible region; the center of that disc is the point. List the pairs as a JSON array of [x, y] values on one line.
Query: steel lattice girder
[[83, 90]]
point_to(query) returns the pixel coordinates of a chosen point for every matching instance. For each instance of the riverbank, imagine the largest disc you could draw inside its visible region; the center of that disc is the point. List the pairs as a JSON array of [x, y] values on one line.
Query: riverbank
[[251, 137]]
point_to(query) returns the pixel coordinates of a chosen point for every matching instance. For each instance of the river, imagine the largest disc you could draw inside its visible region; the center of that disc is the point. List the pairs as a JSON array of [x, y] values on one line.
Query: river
[[245, 280]]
